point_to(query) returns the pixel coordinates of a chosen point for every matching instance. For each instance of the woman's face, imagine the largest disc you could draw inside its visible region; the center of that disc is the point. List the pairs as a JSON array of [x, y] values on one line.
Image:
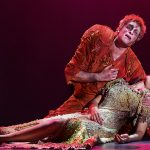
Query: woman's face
[[138, 86], [129, 33], [147, 82]]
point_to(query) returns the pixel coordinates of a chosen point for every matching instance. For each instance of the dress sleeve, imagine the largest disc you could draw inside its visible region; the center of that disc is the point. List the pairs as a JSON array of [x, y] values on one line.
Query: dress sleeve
[[90, 42], [135, 71]]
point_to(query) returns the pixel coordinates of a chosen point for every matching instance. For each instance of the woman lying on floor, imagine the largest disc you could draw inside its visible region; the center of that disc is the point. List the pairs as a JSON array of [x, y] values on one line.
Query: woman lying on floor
[[118, 102]]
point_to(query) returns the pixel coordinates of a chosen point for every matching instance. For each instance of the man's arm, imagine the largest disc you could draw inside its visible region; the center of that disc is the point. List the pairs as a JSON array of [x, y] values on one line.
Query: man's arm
[[107, 74], [77, 68]]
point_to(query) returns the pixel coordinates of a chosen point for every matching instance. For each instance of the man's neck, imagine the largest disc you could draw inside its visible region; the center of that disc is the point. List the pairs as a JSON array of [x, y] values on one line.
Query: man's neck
[[117, 51]]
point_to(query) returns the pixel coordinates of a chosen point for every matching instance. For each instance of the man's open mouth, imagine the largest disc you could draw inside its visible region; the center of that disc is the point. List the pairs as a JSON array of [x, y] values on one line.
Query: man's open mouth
[[129, 37]]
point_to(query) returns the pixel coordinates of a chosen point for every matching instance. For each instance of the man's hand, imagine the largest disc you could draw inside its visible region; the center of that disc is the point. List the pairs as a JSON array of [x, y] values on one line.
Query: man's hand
[[123, 138], [107, 74], [95, 116]]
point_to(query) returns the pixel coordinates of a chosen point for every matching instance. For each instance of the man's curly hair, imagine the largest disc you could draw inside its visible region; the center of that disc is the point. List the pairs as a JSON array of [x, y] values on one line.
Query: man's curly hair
[[135, 18]]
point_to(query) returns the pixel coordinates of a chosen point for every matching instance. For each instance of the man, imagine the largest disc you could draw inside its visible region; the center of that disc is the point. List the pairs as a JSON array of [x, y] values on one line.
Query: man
[[103, 55]]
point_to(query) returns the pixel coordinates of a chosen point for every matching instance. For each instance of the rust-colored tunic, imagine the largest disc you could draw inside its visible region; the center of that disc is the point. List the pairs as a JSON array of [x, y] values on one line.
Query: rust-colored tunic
[[93, 55]]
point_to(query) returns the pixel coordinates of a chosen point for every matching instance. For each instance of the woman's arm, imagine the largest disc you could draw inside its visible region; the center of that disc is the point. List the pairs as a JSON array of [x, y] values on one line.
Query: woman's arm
[[138, 135], [93, 108]]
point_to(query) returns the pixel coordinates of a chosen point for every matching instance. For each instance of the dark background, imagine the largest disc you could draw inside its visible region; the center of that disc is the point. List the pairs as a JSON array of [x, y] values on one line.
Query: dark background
[[38, 38]]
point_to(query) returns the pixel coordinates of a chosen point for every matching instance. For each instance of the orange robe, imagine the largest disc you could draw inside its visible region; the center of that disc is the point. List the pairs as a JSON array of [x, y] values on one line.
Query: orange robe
[[93, 55]]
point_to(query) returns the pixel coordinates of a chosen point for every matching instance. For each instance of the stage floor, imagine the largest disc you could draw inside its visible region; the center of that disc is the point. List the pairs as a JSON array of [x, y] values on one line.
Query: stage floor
[[142, 145]]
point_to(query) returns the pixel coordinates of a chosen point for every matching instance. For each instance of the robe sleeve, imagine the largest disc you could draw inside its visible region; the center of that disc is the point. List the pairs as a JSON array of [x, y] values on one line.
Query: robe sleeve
[[91, 40]]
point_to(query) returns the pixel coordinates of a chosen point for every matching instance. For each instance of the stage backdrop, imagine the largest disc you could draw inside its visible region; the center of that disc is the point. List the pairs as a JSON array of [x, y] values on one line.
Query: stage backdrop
[[38, 38]]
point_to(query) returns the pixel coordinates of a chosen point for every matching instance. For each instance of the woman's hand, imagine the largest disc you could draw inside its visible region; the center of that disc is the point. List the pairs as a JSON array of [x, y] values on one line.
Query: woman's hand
[[123, 138], [95, 115]]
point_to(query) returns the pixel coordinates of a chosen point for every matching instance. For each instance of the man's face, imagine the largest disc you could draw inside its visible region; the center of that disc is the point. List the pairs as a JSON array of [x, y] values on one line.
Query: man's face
[[129, 33]]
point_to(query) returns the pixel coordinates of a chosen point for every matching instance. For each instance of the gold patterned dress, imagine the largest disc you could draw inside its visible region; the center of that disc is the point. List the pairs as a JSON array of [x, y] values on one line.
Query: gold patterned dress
[[119, 103]]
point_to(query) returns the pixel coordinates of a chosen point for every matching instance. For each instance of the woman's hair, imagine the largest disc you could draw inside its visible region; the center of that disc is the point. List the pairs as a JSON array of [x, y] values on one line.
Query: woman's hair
[[134, 18]]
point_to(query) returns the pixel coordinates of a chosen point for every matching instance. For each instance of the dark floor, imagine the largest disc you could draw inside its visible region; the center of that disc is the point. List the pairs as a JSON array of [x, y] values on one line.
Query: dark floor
[[142, 145]]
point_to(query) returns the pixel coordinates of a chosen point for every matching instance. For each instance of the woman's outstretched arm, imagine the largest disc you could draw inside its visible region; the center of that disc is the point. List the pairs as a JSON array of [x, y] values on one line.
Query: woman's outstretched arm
[[46, 127], [138, 135]]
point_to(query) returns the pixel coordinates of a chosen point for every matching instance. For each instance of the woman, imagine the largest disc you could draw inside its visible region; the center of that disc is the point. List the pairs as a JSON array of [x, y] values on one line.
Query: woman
[[118, 102]]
